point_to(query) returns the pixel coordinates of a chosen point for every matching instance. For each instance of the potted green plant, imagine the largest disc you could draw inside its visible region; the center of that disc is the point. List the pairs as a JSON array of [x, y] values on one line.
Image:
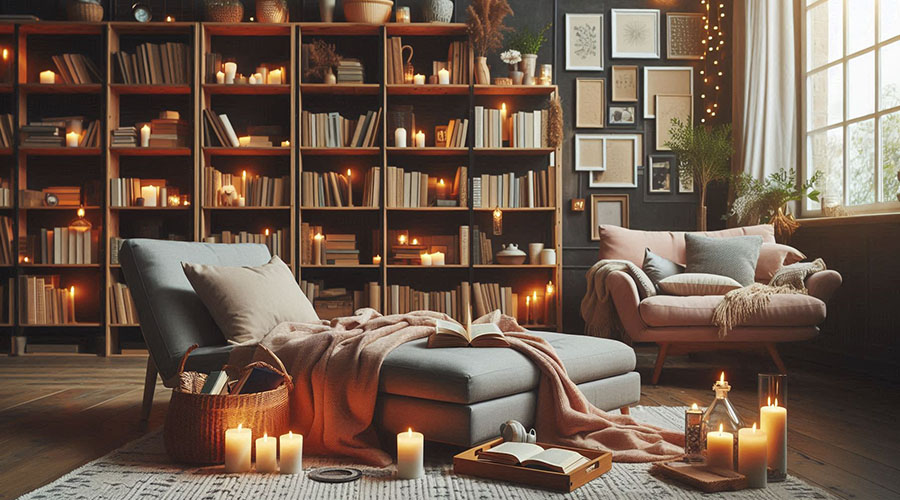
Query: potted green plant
[[704, 155], [765, 200], [528, 41]]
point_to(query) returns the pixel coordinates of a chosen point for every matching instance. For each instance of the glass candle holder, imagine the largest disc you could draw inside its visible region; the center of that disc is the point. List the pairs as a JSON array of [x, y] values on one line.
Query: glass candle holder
[[546, 74], [403, 15], [693, 434], [722, 413], [772, 396]]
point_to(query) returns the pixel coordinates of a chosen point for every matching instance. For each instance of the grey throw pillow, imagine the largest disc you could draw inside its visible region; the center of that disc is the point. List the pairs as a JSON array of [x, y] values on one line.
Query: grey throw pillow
[[733, 257], [247, 302], [659, 268]]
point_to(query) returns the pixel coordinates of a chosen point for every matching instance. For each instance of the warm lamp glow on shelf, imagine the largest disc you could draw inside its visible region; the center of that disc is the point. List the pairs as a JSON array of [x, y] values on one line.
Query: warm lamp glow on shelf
[[402, 239], [713, 58], [170, 19], [266, 231], [72, 303], [415, 241], [504, 127], [285, 144], [498, 221]]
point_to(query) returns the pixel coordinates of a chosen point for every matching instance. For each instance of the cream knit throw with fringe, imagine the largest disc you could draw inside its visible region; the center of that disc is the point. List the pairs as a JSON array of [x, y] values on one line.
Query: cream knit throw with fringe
[[597, 308]]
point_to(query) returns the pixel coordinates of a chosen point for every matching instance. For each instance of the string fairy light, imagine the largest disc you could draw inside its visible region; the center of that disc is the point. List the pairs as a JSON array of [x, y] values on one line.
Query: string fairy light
[[712, 72]]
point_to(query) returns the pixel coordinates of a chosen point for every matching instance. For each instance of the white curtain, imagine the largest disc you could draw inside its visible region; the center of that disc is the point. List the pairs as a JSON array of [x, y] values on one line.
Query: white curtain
[[766, 87]]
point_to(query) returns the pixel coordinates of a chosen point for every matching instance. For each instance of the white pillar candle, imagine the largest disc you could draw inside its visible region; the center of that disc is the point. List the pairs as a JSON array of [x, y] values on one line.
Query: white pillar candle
[[230, 71], [244, 141], [426, 259], [220, 77], [437, 259], [72, 139], [410, 455], [317, 249], [242, 201], [260, 79], [376, 260], [148, 193], [266, 454], [443, 76], [252, 80], [400, 137], [291, 454], [48, 77], [773, 421], [275, 77], [420, 139], [504, 124], [720, 449], [419, 79], [71, 302], [145, 136], [752, 456], [237, 449]]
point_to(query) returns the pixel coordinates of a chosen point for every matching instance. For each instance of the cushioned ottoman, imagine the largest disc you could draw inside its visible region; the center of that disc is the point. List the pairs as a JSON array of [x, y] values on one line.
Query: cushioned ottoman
[[462, 395]]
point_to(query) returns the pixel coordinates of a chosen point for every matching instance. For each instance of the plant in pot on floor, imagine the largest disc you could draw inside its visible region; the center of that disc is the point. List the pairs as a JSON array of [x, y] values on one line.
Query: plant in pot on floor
[[323, 58], [528, 42], [765, 200], [485, 26], [704, 155]]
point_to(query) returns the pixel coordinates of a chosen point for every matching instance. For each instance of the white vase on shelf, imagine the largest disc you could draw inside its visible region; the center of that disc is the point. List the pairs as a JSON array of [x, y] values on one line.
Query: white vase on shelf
[[326, 11]]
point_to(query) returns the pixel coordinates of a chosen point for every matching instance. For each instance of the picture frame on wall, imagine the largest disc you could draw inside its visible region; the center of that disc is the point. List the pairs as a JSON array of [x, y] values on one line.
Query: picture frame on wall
[[668, 108], [590, 102], [667, 80], [584, 42], [590, 152], [684, 35], [609, 209], [635, 33], [622, 115], [611, 159], [624, 83], [659, 174]]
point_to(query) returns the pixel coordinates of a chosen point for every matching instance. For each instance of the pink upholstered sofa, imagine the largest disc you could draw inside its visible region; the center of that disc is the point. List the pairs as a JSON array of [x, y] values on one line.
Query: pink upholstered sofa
[[684, 324]]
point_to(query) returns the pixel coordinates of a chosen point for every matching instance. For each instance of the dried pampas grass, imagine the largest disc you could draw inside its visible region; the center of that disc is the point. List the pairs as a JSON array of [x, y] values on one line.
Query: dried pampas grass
[[555, 123], [323, 57], [485, 22]]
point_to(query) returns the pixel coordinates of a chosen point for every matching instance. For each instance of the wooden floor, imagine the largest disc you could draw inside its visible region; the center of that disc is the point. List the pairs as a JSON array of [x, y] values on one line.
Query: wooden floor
[[60, 412]]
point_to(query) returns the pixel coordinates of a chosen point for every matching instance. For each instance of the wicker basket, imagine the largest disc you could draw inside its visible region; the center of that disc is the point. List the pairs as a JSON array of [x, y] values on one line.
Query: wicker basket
[[223, 11], [368, 11], [196, 423], [84, 11]]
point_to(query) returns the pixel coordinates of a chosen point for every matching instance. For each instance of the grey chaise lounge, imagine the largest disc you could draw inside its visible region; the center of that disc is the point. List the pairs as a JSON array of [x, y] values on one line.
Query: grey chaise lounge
[[456, 395]]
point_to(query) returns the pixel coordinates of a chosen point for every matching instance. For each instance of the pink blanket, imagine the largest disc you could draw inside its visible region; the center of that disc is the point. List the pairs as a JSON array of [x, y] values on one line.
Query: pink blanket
[[336, 367]]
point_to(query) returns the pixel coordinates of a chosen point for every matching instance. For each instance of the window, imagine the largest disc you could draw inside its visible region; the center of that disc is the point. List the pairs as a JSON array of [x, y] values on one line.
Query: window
[[851, 103]]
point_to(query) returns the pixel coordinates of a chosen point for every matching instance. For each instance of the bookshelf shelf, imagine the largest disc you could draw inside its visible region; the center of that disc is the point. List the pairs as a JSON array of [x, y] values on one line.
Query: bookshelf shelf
[[61, 28], [513, 151], [151, 209], [247, 151], [340, 209], [428, 151], [248, 29], [63, 325], [132, 89], [426, 29], [514, 266], [240, 209], [339, 29], [6, 151], [514, 90], [59, 266], [59, 208], [246, 89], [60, 88], [138, 151], [417, 266], [518, 209], [334, 266], [61, 151], [310, 151], [340, 89], [427, 209], [6, 88], [436, 90]]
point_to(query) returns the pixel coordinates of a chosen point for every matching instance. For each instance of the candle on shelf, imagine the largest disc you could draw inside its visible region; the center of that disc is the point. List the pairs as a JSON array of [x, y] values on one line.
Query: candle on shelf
[[401, 239], [527, 309], [244, 141], [240, 79], [720, 449], [291, 454], [415, 241], [220, 77], [252, 80], [426, 259], [535, 309], [242, 201], [418, 79], [170, 19], [148, 193], [440, 190], [260, 79], [443, 76], [752, 456], [420, 139], [237, 449], [504, 125], [48, 76], [230, 71], [317, 249], [437, 259], [349, 188], [145, 136], [264, 73], [71, 301], [285, 144], [243, 182], [548, 309], [403, 14], [72, 140], [400, 137], [410, 455], [773, 421], [376, 260], [274, 77], [266, 456]]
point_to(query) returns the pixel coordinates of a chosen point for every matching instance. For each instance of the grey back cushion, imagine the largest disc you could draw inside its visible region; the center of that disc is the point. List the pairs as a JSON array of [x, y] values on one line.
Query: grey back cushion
[[733, 257], [658, 268], [171, 314]]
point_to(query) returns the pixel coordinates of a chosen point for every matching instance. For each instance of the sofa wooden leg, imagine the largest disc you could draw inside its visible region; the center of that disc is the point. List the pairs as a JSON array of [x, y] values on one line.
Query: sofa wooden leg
[[660, 359], [776, 358], [625, 410], [149, 388]]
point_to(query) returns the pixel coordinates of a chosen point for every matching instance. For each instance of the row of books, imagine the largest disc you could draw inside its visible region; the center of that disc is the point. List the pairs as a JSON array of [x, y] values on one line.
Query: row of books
[[276, 240], [491, 296], [125, 191], [523, 129], [43, 302], [417, 189], [536, 188], [332, 189], [121, 305], [164, 63], [335, 302], [407, 250], [62, 245], [7, 256], [336, 249], [217, 130], [455, 135], [457, 62], [7, 131], [77, 69], [331, 130], [51, 132], [256, 190], [455, 303], [482, 251]]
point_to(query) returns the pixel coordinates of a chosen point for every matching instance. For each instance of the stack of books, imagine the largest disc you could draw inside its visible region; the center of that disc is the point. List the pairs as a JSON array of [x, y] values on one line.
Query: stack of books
[[7, 256], [124, 192], [6, 130], [457, 62], [482, 252], [350, 71], [372, 188], [417, 189], [77, 69], [276, 240], [257, 141], [165, 63], [491, 296], [257, 191], [331, 130], [454, 303], [124, 137], [51, 132], [61, 245], [340, 250], [121, 305], [533, 189], [523, 129], [325, 189], [42, 302], [369, 296], [169, 131]]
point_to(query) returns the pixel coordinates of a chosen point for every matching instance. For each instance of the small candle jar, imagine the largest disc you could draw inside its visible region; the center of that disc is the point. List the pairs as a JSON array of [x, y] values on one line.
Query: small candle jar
[[425, 258], [230, 72], [420, 139], [403, 15], [220, 77], [418, 79], [693, 434], [546, 74], [72, 140], [145, 136]]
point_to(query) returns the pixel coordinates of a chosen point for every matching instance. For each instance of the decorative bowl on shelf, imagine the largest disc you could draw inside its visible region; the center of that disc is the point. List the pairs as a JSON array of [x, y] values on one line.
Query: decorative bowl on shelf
[[511, 255], [368, 11], [84, 10], [272, 11], [223, 11]]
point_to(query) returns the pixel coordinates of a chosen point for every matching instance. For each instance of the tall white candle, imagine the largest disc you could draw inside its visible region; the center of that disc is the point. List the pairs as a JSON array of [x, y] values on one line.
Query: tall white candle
[[400, 137], [220, 77], [420, 139], [72, 139], [275, 77], [720, 449], [437, 259], [752, 456], [504, 124], [419, 79], [410, 455], [48, 77], [773, 421], [317, 249], [266, 454], [291, 454], [145, 136], [443, 76], [237, 449], [230, 71], [148, 193], [426, 259]]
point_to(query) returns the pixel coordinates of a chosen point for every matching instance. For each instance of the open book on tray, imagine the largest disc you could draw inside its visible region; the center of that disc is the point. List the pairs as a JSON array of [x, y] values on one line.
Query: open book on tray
[[453, 334], [532, 455]]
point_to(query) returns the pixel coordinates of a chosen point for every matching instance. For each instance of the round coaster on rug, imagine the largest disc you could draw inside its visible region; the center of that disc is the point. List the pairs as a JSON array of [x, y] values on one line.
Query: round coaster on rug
[[335, 474]]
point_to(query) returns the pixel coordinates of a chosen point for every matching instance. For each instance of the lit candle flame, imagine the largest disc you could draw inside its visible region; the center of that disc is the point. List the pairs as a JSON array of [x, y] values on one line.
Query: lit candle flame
[[239, 426], [534, 295], [754, 426], [290, 434], [415, 241], [722, 378], [349, 173], [266, 436], [549, 288], [527, 300], [26, 260], [503, 107], [5, 54], [170, 19], [441, 182], [72, 291], [402, 239], [721, 428], [81, 212], [318, 236], [244, 174], [776, 401], [409, 431], [267, 231], [769, 401], [694, 406]]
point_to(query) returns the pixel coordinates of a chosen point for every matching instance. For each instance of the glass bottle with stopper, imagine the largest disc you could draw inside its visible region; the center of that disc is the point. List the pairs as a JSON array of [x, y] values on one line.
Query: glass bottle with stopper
[[722, 412]]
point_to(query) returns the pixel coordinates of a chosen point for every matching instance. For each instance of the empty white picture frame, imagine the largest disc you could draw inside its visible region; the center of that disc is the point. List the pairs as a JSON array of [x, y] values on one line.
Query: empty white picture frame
[[590, 102], [584, 42], [669, 107], [667, 80], [611, 159], [635, 33]]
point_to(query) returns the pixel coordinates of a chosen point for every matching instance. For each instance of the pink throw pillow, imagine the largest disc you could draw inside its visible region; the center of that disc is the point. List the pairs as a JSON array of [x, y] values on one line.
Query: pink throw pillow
[[772, 257]]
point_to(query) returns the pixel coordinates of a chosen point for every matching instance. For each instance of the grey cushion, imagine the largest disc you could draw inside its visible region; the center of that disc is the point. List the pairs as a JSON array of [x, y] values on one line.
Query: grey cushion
[[171, 314], [470, 375], [658, 268], [733, 257]]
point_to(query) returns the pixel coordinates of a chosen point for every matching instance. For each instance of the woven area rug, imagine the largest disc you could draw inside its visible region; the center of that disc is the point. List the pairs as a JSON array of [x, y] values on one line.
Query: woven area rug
[[141, 470]]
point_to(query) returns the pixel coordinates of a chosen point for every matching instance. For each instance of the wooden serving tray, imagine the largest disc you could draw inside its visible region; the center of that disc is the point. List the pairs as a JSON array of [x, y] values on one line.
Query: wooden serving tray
[[702, 477], [599, 463]]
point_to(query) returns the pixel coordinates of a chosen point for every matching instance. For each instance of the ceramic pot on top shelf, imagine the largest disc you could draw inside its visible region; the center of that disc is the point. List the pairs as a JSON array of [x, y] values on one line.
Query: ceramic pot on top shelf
[[272, 11], [437, 11]]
